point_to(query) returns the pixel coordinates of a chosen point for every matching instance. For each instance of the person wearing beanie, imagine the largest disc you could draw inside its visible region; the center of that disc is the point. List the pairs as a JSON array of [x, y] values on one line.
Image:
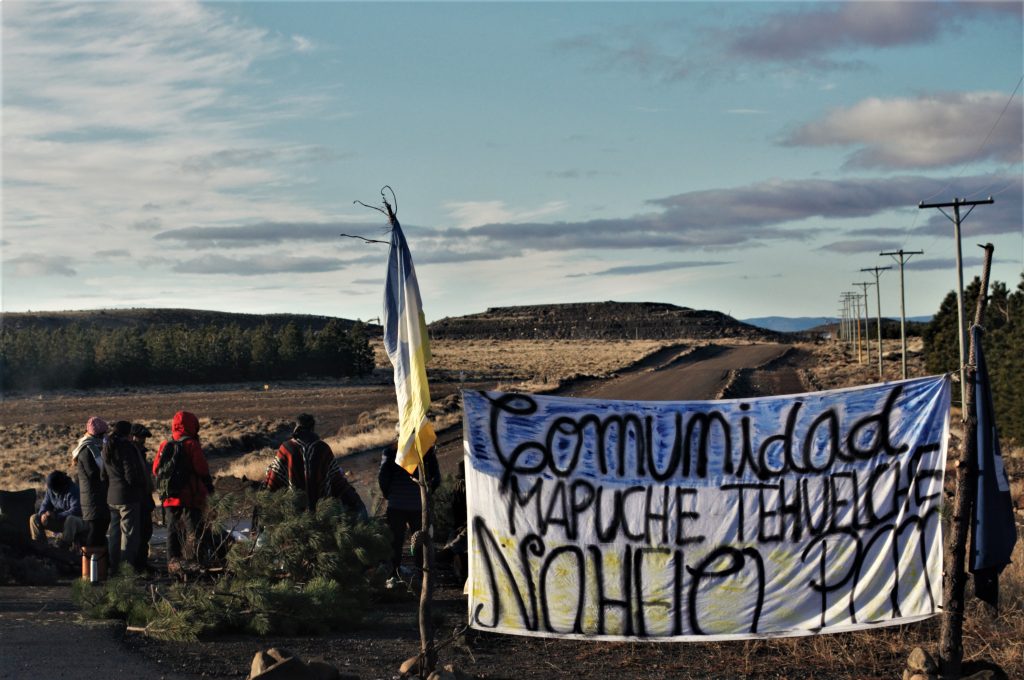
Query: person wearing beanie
[[61, 512], [306, 463], [96, 426], [139, 434], [92, 485], [183, 493], [126, 485]]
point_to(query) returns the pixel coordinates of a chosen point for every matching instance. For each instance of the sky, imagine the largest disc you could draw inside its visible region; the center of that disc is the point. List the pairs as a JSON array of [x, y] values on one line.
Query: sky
[[749, 158]]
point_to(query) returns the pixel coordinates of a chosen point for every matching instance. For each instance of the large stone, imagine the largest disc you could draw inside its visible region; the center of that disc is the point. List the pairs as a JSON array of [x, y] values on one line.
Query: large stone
[[279, 654], [410, 665], [288, 669], [920, 660], [280, 664], [260, 662]]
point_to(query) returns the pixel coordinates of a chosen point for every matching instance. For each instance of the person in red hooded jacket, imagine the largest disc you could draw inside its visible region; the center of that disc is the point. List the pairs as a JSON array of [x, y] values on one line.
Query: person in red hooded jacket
[[185, 505]]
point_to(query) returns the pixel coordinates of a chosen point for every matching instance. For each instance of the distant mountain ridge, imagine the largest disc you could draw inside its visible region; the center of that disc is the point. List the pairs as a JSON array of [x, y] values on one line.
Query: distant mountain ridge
[[789, 324], [796, 324], [597, 320], [146, 317]]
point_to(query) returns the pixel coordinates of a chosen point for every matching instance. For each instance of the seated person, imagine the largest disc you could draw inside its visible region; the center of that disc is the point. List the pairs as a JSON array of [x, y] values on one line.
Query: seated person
[[61, 512]]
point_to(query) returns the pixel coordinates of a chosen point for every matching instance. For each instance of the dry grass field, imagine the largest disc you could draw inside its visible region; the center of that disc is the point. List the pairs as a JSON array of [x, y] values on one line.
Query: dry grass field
[[531, 365], [37, 431]]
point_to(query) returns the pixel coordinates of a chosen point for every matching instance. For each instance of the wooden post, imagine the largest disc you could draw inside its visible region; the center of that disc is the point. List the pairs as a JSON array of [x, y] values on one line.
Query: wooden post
[[427, 652], [951, 648]]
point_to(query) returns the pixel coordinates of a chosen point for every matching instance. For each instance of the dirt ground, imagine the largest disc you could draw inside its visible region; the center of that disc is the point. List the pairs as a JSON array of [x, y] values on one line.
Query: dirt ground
[[40, 623]]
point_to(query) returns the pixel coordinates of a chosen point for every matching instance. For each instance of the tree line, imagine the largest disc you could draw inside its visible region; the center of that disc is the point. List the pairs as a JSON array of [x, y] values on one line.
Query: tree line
[[1002, 342], [81, 355]]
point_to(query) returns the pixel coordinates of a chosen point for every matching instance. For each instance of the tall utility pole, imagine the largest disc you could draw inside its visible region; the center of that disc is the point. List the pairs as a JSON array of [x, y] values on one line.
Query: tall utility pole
[[844, 329], [877, 271], [956, 220], [842, 321], [864, 287], [903, 257], [856, 315], [848, 316]]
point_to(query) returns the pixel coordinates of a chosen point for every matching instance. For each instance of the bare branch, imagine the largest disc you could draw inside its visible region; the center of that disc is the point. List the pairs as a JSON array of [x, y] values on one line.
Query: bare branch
[[363, 238]]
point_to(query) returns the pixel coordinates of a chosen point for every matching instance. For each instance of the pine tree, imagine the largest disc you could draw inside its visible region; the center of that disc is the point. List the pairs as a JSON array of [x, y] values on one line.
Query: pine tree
[[291, 350], [1003, 344]]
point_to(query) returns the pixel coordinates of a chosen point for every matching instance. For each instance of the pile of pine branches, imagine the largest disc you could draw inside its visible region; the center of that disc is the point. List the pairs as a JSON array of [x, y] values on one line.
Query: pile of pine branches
[[307, 572]]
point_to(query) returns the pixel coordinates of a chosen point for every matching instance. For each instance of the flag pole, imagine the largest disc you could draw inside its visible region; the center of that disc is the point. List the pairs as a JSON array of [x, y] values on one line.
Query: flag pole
[[423, 538], [951, 648]]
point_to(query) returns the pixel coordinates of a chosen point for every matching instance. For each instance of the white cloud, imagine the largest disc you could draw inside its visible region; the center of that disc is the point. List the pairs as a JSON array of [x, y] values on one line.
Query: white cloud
[[34, 264], [928, 131], [120, 119], [476, 213], [302, 44]]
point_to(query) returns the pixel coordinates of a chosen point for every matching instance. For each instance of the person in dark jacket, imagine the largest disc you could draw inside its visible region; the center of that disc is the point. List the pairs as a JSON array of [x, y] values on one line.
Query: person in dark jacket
[[185, 506], [92, 486], [61, 512], [126, 483], [306, 463], [140, 433], [402, 491]]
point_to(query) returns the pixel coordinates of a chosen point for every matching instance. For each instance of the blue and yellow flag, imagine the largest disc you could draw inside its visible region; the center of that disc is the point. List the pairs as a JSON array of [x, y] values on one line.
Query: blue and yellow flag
[[408, 347]]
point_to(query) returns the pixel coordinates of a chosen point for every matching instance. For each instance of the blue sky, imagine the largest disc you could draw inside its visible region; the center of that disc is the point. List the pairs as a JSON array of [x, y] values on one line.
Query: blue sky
[[745, 157]]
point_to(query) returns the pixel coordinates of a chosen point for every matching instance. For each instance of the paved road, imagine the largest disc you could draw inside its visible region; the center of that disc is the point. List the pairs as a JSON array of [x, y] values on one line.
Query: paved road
[[39, 638], [675, 374], [698, 375]]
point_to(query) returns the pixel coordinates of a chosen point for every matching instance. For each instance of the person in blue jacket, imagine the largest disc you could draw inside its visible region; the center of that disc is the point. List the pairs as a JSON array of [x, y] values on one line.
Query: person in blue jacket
[[60, 512]]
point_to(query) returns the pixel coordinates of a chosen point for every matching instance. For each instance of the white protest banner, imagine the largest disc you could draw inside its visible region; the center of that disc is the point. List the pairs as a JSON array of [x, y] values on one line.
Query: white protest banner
[[794, 515]]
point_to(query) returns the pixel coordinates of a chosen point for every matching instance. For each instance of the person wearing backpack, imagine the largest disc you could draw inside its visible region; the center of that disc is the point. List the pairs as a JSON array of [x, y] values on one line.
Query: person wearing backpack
[[92, 486], [126, 484], [183, 482], [306, 463]]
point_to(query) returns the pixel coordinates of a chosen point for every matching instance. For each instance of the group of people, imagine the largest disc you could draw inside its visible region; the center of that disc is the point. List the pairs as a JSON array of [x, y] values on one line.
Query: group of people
[[106, 509]]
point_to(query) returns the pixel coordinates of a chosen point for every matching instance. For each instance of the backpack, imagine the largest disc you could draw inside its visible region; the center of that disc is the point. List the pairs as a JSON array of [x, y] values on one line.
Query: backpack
[[174, 470]]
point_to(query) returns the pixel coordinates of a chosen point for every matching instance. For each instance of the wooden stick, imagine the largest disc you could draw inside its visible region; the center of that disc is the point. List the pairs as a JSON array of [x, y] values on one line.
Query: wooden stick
[[428, 653], [951, 647]]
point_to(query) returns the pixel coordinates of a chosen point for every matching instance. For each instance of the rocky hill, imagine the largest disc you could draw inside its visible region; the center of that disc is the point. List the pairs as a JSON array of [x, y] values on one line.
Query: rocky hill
[[596, 320]]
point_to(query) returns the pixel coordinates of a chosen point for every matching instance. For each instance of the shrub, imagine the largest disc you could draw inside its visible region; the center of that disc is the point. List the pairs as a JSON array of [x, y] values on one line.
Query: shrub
[[308, 572]]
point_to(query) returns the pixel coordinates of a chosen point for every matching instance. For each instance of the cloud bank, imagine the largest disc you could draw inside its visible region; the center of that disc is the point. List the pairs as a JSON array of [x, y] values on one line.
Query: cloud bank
[[929, 131]]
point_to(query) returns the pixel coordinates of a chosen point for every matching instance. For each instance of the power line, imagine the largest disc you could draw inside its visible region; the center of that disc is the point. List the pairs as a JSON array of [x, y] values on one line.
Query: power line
[[964, 167], [983, 142]]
